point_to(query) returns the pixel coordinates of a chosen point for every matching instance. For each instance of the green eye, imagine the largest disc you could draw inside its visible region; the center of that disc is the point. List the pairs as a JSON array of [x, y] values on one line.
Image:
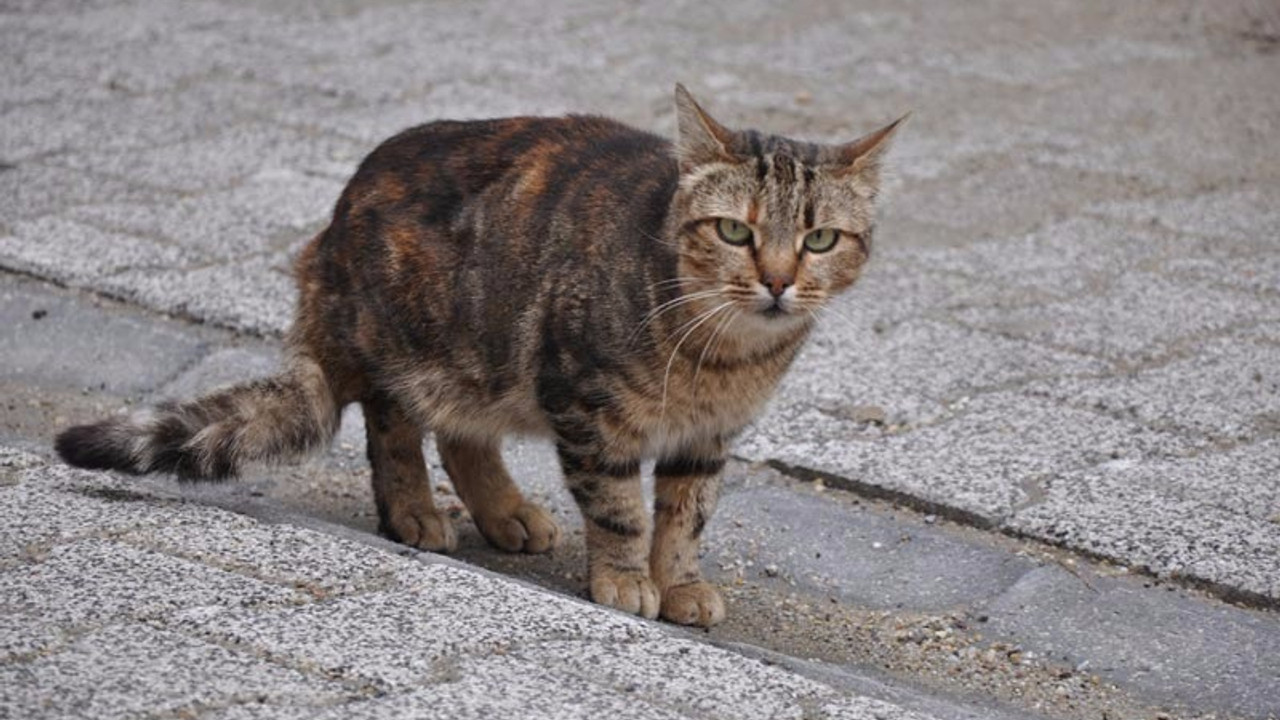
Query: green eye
[[733, 232], [821, 240]]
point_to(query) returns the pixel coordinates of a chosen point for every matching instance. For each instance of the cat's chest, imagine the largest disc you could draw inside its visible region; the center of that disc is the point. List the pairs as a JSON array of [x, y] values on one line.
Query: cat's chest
[[707, 403]]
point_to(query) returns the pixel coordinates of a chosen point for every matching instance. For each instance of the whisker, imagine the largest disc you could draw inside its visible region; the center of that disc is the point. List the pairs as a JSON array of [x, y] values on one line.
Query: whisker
[[666, 307], [715, 332], [673, 281], [666, 376], [828, 311]]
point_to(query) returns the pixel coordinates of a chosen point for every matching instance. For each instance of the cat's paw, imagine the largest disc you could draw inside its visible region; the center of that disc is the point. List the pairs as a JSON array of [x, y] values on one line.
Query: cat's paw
[[696, 603], [631, 592], [422, 527], [529, 529]]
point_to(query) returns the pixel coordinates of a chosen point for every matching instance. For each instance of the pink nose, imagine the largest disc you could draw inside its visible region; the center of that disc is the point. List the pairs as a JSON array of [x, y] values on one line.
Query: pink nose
[[777, 284]]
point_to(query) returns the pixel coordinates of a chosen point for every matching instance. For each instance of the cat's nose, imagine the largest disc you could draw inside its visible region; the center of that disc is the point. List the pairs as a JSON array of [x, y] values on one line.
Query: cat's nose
[[777, 283]]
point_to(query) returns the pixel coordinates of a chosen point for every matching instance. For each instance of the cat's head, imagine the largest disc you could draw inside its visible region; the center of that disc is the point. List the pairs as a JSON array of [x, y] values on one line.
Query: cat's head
[[775, 227]]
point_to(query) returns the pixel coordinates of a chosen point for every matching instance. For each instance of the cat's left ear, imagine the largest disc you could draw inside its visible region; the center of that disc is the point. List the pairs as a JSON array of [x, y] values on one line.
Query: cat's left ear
[[700, 139], [868, 151]]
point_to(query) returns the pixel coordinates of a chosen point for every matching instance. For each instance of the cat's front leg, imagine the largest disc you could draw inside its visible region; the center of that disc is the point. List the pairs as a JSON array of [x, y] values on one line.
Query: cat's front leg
[[609, 494], [687, 487]]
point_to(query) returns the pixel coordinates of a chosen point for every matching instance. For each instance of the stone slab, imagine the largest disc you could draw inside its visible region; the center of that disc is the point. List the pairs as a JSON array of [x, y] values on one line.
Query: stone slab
[[60, 340], [130, 671], [1212, 519], [831, 549], [91, 583], [1192, 656], [1227, 389], [398, 647], [984, 461], [1143, 316]]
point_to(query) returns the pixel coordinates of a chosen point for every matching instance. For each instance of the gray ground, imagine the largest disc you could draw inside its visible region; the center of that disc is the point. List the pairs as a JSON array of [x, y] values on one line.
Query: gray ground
[[1019, 470]]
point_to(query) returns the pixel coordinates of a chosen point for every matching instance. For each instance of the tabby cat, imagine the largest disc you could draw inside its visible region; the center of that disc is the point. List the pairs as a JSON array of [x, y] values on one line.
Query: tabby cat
[[567, 277]]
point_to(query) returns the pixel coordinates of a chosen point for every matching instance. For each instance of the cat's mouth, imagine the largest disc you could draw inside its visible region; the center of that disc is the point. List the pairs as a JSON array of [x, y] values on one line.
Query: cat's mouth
[[774, 311]]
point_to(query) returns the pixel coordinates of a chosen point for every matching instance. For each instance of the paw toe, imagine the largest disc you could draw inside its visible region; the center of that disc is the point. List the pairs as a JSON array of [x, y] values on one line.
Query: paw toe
[[629, 592], [425, 529], [529, 529], [697, 603]]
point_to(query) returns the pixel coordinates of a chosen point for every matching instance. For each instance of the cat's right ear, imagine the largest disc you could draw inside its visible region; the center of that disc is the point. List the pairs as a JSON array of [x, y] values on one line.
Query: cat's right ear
[[700, 139]]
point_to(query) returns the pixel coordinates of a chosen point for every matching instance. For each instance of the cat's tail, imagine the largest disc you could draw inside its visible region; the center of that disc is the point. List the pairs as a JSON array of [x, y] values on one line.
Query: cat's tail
[[214, 436]]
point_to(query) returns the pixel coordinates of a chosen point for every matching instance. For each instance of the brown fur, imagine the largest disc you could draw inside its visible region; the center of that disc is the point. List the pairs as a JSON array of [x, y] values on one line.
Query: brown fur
[[553, 276]]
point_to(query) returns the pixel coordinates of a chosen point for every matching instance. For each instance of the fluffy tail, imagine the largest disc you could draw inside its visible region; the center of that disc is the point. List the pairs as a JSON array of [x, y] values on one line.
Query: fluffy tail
[[213, 437]]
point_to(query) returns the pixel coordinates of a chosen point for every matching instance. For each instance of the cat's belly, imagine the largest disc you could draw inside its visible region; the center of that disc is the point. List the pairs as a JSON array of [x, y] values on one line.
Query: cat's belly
[[443, 405]]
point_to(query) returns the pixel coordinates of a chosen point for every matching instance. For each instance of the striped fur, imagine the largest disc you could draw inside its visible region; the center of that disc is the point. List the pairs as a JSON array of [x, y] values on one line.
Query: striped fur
[[551, 276]]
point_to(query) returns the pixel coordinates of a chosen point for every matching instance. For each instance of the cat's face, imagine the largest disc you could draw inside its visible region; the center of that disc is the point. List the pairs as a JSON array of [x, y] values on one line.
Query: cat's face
[[768, 227]]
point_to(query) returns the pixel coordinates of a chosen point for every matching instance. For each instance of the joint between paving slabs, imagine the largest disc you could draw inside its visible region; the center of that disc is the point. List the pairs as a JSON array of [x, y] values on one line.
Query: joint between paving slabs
[[1226, 593]]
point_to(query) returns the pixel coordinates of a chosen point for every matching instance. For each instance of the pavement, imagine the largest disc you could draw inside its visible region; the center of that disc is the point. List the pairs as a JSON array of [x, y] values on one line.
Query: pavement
[[1030, 466]]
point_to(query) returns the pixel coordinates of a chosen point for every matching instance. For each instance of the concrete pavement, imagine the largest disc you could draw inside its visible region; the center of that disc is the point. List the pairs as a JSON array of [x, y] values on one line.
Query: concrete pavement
[[122, 603], [1069, 333]]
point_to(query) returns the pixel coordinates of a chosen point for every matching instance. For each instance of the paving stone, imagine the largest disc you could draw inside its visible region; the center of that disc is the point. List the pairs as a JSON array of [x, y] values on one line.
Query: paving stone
[[1171, 645], [135, 20], [280, 554], [458, 98], [1105, 127], [118, 50], [57, 340], [1008, 198], [1227, 389], [267, 212], [236, 154], [131, 671], [1259, 274], [984, 460], [398, 646], [229, 366], [55, 515], [1247, 215], [29, 190], [896, 286], [1211, 519], [862, 383], [707, 681], [24, 636], [82, 256], [830, 549], [1043, 65], [466, 691], [119, 121], [1143, 316], [94, 582], [256, 295], [1061, 260]]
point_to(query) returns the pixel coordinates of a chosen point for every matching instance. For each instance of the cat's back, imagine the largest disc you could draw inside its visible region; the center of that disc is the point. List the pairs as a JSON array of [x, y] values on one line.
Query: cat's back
[[456, 241], [446, 164]]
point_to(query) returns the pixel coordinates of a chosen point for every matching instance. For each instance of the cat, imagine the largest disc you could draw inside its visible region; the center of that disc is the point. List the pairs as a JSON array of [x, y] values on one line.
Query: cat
[[568, 277]]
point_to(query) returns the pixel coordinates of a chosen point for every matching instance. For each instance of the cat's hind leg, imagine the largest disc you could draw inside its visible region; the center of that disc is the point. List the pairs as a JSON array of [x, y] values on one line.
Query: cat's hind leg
[[506, 519], [401, 489]]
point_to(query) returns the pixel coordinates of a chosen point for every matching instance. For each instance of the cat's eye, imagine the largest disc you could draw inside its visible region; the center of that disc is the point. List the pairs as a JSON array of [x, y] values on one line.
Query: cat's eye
[[821, 240], [733, 232]]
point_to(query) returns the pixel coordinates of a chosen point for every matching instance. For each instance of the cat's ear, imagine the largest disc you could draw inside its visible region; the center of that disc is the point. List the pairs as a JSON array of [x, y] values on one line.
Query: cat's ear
[[700, 139], [866, 152]]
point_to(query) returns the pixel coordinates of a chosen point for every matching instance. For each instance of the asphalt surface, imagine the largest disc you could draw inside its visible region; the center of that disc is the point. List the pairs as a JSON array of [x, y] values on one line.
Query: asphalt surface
[[1058, 380]]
